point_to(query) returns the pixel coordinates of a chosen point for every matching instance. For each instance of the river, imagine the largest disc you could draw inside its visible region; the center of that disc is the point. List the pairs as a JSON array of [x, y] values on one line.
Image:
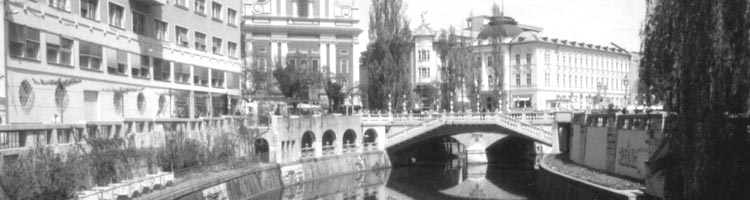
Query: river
[[447, 180]]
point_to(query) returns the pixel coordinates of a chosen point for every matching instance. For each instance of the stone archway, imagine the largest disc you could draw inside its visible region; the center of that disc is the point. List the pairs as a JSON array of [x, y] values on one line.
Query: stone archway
[[328, 142], [262, 149], [348, 141]]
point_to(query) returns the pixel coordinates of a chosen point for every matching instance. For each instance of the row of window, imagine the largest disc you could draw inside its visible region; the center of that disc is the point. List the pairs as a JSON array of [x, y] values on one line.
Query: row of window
[[581, 61], [25, 42], [116, 12], [577, 82]]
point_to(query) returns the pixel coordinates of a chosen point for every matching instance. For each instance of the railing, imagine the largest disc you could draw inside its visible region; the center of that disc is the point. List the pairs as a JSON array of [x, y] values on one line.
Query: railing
[[349, 148], [127, 187], [329, 150], [387, 118], [370, 146], [308, 153]]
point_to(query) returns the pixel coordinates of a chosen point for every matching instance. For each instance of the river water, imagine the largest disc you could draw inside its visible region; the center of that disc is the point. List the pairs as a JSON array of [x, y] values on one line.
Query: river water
[[447, 180]]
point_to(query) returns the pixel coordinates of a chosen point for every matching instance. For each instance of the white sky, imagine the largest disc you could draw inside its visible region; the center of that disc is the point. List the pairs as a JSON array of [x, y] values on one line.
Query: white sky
[[591, 21]]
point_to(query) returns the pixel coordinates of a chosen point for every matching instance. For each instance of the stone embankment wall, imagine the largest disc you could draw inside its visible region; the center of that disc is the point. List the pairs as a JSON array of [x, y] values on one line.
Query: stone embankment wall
[[554, 185], [257, 184]]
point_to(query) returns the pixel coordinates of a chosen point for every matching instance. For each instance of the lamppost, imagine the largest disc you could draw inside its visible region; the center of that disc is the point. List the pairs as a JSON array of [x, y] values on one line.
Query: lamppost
[[625, 82]]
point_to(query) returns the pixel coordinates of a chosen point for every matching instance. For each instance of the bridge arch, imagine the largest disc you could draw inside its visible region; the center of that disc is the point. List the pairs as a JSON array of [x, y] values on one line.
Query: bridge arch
[[307, 139], [370, 136], [455, 129], [329, 137]]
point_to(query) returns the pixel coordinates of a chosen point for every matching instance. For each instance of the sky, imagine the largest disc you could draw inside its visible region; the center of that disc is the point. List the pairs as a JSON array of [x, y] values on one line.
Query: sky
[[599, 22]]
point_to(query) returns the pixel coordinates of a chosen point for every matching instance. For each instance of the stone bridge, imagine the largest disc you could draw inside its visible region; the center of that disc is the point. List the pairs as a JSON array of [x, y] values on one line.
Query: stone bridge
[[404, 129]]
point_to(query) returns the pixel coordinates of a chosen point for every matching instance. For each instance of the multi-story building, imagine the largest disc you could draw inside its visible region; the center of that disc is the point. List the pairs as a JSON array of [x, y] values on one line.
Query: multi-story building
[[134, 69], [306, 33], [540, 73], [96, 60]]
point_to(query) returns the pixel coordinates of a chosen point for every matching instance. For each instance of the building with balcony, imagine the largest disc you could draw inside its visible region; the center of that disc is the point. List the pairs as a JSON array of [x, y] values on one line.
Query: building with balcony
[[539, 73], [116, 67], [305, 33]]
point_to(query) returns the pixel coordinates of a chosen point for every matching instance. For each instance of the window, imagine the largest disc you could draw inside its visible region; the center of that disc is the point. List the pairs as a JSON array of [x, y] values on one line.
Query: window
[[546, 57], [424, 55], [344, 52], [489, 61], [518, 79], [261, 63], [216, 10], [528, 58], [140, 66], [160, 30], [139, 23], [59, 4], [89, 56], [115, 15], [546, 79], [201, 76], [181, 3], [232, 49], [231, 16], [200, 6], [200, 41], [316, 65], [518, 59], [24, 41], [344, 64], [217, 78], [216, 46], [59, 50], [181, 36], [161, 70], [117, 61], [302, 8], [89, 9], [181, 73], [528, 78]]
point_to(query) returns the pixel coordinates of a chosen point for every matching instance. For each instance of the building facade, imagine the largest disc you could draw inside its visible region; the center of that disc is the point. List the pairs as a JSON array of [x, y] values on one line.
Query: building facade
[[539, 73], [96, 61], [320, 34]]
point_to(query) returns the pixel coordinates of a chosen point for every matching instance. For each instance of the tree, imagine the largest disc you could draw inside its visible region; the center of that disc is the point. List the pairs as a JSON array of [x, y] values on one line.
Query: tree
[[387, 57], [295, 81], [695, 59], [334, 94]]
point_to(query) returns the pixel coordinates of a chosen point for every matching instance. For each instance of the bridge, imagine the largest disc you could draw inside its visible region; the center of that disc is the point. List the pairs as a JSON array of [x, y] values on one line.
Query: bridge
[[403, 130]]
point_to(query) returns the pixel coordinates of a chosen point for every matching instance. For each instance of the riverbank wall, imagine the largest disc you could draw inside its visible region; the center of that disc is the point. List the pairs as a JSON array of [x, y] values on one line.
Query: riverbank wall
[[259, 183], [554, 185]]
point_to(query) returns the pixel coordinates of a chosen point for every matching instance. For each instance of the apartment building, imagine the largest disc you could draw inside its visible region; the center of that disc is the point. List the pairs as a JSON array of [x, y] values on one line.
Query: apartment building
[[116, 67]]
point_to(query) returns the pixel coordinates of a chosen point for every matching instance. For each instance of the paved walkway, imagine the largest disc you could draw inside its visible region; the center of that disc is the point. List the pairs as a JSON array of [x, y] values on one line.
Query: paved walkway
[[192, 182]]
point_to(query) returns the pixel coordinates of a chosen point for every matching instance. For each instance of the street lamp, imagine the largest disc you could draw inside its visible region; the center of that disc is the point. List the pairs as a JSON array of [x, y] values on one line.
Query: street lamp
[[625, 82]]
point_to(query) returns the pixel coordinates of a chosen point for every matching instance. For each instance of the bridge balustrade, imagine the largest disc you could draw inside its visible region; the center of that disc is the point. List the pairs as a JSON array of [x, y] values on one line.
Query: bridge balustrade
[[349, 148], [308, 153], [329, 150], [370, 146]]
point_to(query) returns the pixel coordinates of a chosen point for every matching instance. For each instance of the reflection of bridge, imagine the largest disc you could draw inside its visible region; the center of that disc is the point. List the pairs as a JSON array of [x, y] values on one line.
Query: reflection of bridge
[[402, 130]]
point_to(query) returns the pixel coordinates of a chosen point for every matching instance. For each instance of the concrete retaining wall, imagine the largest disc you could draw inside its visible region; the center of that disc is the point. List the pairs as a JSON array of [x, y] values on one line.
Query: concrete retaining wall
[[259, 183], [615, 143], [553, 185]]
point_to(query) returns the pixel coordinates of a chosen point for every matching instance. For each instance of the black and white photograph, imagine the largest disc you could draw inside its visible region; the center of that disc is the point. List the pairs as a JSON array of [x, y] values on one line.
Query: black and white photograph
[[375, 100]]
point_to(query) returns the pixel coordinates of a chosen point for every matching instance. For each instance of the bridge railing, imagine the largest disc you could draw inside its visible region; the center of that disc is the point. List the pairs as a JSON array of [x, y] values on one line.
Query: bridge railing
[[386, 118]]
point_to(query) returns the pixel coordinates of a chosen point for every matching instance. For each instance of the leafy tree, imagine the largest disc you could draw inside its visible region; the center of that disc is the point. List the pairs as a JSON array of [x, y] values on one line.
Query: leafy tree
[[333, 92], [295, 81], [695, 59], [386, 60]]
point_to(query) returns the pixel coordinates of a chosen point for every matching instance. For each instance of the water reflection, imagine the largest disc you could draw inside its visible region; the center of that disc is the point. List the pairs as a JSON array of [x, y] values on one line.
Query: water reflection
[[450, 180]]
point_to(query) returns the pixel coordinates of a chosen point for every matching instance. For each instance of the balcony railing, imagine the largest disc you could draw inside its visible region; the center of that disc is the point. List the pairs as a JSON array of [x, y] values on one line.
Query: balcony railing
[[308, 153], [329, 150]]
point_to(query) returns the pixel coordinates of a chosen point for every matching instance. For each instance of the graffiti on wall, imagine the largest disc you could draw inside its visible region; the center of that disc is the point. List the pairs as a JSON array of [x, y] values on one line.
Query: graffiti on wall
[[629, 155]]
